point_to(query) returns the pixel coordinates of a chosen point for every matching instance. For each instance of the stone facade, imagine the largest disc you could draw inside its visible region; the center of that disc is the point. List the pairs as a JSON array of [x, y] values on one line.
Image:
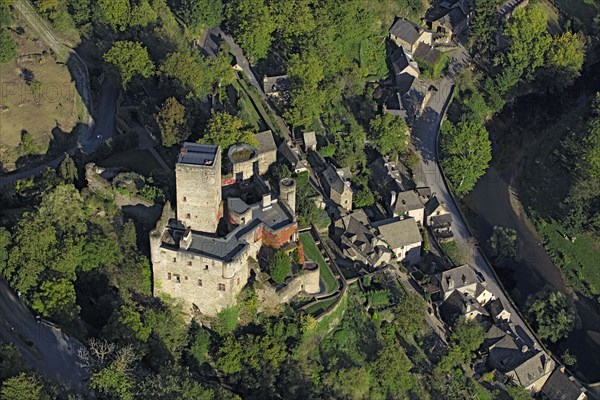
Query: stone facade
[[198, 186]]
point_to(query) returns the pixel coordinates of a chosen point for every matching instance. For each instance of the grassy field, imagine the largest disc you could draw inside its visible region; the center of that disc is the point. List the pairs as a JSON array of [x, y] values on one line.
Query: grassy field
[[578, 260], [583, 10], [312, 252], [37, 96], [140, 161]]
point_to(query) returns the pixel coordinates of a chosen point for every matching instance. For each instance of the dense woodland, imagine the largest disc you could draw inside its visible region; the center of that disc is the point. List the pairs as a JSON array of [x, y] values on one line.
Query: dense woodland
[[78, 261]]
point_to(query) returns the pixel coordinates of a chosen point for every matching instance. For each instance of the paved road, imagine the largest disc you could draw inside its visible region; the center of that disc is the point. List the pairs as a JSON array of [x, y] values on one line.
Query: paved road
[[425, 136], [44, 348]]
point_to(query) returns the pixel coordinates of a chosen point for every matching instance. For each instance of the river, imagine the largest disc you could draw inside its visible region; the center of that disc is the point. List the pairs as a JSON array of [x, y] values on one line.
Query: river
[[495, 201]]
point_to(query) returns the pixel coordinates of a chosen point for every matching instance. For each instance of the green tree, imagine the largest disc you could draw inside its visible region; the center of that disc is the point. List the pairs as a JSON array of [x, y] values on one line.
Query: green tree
[[11, 361], [466, 153], [192, 71], [227, 320], [305, 72], [364, 198], [465, 340], [280, 267], [56, 298], [225, 130], [22, 387], [68, 170], [114, 13], [171, 122], [293, 18], [483, 29], [551, 314], [131, 58], [389, 133], [503, 242], [142, 14], [351, 383], [8, 46], [200, 345], [252, 24], [564, 59], [528, 40], [201, 14]]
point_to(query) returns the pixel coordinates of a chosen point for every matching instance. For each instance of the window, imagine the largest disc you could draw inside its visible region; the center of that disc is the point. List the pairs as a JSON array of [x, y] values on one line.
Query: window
[[177, 279], [188, 216], [221, 287], [174, 259], [185, 278], [238, 281], [168, 276], [185, 199], [200, 282], [189, 263], [206, 267]]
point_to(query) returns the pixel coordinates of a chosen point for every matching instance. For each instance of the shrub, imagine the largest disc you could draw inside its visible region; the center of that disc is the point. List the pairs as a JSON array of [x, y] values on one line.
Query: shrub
[[280, 267]]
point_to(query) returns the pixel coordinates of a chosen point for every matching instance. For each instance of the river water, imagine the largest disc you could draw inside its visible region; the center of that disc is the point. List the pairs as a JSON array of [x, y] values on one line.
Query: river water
[[494, 201]]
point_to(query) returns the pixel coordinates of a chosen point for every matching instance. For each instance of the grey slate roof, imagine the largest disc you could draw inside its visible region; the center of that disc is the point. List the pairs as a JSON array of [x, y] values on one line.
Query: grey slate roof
[[407, 201], [560, 387], [427, 54], [432, 204], [332, 178], [531, 370], [290, 155], [461, 276], [265, 141], [198, 154], [459, 304], [400, 233], [399, 60], [442, 220], [496, 307], [405, 30], [454, 18]]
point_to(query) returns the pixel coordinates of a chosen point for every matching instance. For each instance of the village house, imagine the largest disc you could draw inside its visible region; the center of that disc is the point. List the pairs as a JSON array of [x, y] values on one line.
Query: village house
[[560, 386], [458, 305], [449, 18], [336, 183], [393, 106], [310, 141], [403, 66], [438, 217], [533, 373], [403, 238], [408, 35], [408, 204], [291, 156], [498, 312], [389, 177], [465, 280]]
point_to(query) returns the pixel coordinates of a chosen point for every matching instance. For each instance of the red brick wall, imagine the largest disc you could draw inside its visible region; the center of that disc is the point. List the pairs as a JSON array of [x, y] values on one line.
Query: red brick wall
[[279, 238]]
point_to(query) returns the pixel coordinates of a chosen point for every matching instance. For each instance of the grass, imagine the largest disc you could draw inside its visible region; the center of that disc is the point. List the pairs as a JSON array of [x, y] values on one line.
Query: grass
[[312, 252], [248, 111], [583, 10], [319, 307], [577, 260], [54, 105], [453, 252], [140, 161]]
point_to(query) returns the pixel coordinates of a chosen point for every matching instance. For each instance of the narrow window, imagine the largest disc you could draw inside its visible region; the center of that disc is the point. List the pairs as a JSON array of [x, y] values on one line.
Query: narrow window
[[206, 267], [177, 279], [174, 259], [185, 278], [184, 198], [188, 216], [221, 287], [238, 281], [200, 282], [189, 263], [168, 276]]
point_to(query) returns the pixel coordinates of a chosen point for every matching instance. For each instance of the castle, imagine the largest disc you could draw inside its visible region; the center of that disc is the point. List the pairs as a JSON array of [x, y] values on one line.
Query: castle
[[202, 254]]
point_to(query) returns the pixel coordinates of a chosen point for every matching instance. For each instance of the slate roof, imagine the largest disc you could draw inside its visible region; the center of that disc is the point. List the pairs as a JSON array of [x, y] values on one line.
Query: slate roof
[[400, 233], [454, 18], [198, 154], [407, 201], [362, 239], [560, 387], [461, 276], [505, 354], [310, 139], [290, 155], [432, 204], [405, 30], [459, 304], [265, 141], [427, 54], [334, 181], [531, 370], [496, 307], [442, 220]]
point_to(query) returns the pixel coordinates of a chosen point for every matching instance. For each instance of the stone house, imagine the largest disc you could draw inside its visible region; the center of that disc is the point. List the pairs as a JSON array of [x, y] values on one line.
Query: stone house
[[267, 151], [465, 280], [403, 238], [408, 204], [459, 304], [438, 217], [338, 187], [358, 242], [498, 312], [560, 386], [291, 156], [277, 87], [408, 35], [533, 373], [310, 141], [403, 65]]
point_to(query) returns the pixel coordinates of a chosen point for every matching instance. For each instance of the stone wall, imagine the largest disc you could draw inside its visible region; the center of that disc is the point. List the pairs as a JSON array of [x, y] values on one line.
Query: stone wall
[[280, 237], [199, 195], [343, 200]]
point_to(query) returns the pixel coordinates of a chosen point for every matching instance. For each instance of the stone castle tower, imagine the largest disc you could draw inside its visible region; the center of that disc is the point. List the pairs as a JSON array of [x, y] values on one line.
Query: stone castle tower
[[198, 185]]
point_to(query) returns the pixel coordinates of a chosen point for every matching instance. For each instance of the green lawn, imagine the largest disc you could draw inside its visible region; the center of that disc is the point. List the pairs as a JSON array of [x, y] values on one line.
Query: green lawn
[[452, 251], [140, 161], [312, 252], [578, 260], [318, 307]]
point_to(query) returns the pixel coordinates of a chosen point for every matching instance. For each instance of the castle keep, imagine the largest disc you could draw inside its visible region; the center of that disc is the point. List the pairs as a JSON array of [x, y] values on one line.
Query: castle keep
[[202, 256]]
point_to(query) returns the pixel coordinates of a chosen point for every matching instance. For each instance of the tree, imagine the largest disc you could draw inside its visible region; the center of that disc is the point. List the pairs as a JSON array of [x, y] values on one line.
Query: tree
[[225, 130], [56, 298], [564, 60], [503, 242], [200, 345], [280, 267], [11, 361], [465, 340], [142, 14], [483, 28], [364, 198], [351, 383], [68, 170], [131, 58], [551, 314], [171, 122], [22, 387], [201, 14], [252, 24], [528, 40], [115, 13], [8, 46], [193, 71], [389, 133], [305, 72], [466, 153]]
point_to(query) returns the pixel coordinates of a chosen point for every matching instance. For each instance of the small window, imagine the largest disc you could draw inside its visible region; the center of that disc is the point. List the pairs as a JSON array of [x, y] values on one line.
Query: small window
[[200, 282], [188, 216], [238, 281], [185, 278], [206, 267], [177, 279], [221, 287], [168, 276], [174, 259], [185, 199], [189, 263]]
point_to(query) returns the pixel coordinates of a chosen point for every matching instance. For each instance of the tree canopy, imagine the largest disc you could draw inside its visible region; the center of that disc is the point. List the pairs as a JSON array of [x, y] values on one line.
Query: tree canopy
[[8, 46], [551, 314], [252, 24], [280, 267], [389, 133], [466, 153], [171, 122], [225, 130], [130, 58]]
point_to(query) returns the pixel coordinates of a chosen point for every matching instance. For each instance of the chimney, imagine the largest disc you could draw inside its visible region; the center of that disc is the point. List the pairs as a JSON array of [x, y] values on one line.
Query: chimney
[[393, 198], [186, 239], [266, 200]]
